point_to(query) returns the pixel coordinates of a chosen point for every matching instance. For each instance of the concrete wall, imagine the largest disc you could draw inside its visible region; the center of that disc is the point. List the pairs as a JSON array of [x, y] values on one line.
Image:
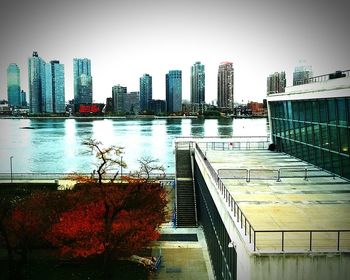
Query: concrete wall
[[300, 266]]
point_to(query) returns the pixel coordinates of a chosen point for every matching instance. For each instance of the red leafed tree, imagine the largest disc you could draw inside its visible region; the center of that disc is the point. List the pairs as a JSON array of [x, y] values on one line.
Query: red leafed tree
[[116, 220]]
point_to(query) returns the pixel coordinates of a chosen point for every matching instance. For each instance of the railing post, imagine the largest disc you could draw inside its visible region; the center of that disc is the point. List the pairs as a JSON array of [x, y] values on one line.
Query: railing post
[[254, 240], [245, 226], [250, 233], [282, 241], [248, 177], [305, 175], [338, 245], [279, 175], [310, 240]]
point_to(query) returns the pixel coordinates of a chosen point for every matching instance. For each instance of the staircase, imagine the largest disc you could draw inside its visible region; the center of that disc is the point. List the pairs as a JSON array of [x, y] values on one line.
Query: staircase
[[186, 213]]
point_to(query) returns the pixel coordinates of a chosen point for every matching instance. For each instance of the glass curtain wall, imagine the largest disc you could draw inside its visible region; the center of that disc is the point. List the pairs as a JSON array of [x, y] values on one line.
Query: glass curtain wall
[[317, 131]]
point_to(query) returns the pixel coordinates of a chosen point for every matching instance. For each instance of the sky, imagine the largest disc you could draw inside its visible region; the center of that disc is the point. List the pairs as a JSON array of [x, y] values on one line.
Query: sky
[[125, 39]]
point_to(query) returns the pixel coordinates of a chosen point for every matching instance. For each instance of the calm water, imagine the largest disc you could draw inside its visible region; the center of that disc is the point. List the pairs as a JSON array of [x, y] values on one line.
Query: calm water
[[55, 145]]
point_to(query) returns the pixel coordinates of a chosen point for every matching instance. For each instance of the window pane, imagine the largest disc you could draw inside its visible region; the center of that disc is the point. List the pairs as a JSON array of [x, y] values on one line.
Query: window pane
[[332, 111], [344, 140], [333, 138], [315, 111], [341, 111], [323, 111], [308, 111]]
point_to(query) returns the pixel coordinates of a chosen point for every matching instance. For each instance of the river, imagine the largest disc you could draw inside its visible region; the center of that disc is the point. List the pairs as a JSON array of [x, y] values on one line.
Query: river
[[55, 145]]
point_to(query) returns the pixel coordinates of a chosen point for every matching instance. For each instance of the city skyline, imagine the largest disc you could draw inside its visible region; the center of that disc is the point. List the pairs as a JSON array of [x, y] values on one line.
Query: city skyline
[[259, 38]]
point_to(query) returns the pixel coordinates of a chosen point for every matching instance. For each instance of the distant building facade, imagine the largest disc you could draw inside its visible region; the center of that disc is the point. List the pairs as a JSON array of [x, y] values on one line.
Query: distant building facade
[[197, 85], [301, 74], [276, 82], [145, 92], [82, 81], [118, 98], [157, 106], [132, 102], [174, 91], [13, 85], [226, 86]]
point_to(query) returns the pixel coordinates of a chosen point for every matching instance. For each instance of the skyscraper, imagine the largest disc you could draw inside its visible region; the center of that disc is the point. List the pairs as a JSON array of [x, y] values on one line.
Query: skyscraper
[[46, 89], [118, 98], [174, 91], [145, 91], [276, 82], [35, 68], [226, 86], [82, 92], [58, 89], [13, 85], [197, 84]]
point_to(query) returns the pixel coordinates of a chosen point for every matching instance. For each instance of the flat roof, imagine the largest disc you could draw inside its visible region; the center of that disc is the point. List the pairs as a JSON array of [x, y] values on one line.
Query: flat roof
[[285, 195]]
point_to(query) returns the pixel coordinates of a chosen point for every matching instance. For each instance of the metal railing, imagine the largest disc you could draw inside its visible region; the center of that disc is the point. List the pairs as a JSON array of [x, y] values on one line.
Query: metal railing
[[63, 176], [270, 174], [323, 78], [246, 226]]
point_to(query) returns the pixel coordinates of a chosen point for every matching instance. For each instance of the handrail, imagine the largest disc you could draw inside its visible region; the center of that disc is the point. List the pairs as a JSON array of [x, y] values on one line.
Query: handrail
[[62, 176], [242, 220]]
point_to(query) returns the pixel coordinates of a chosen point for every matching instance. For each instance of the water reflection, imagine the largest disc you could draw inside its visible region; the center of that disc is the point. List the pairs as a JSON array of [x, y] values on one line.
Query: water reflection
[[56, 145]]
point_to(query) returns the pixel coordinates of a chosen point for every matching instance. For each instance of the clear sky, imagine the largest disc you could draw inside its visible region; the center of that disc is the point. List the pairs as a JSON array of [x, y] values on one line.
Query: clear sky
[[125, 39]]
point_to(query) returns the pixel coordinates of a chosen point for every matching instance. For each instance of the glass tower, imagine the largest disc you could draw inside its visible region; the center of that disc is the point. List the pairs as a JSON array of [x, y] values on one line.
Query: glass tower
[[226, 86], [312, 122], [13, 85], [82, 93], [174, 91], [145, 92], [36, 67], [58, 89], [197, 84]]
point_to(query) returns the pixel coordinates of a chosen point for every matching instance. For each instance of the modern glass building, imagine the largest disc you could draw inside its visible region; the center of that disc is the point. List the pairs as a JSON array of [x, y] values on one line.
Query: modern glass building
[[36, 67], [174, 91], [46, 89], [226, 86], [58, 89], [145, 92], [197, 85], [82, 92], [312, 121], [13, 85]]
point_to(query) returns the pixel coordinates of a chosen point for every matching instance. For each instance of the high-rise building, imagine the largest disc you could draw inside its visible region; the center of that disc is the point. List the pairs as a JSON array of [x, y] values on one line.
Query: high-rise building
[[36, 66], [82, 92], [13, 85], [46, 89], [197, 85], [226, 86], [58, 89], [118, 97], [174, 91], [145, 92], [276, 82], [301, 74]]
